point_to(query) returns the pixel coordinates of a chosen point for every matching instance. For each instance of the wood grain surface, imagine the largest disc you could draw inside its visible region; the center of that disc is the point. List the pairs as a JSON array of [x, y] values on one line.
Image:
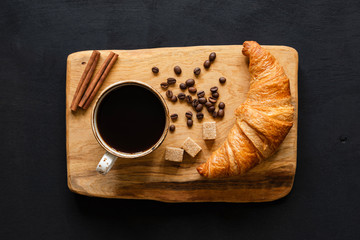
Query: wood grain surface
[[153, 178]]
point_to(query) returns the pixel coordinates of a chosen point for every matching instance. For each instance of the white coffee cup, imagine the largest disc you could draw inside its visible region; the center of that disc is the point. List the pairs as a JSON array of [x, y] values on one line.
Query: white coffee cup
[[111, 155]]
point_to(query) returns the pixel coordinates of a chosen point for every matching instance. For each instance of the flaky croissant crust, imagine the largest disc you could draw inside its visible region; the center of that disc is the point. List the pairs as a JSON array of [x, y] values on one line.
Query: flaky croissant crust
[[262, 121]]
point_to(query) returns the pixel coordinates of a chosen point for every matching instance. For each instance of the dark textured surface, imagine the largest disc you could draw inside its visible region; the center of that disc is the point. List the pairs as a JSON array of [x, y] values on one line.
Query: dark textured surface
[[37, 36]]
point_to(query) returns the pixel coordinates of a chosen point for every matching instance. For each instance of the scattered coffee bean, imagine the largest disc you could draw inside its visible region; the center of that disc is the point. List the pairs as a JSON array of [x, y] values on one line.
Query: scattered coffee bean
[[215, 94], [181, 96], [171, 81], [214, 114], [192, 90], [211, 109], [195, 102], [164, 85], [221, 105], [190, 82], [201, 94], [214, 89], [221, 113], [188, 114], [199, 115], [155, 69], [169, 94], [199, 107], [207, 64], [197, 71], [174, 116], [173, 98], [177, 70], [222, 80], [172, 127], [208, 104], [212, 56], [189, 122], [202, 100], [183, 86], [189, 99], [212, 99]]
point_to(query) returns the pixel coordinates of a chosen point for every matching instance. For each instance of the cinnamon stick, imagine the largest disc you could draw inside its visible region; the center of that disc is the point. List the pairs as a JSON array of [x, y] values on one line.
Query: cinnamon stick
[[95, 80], [85, 78], [100, 82]]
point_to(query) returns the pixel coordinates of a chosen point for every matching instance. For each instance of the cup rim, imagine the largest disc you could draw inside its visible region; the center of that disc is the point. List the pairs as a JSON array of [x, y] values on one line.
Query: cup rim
[[96, 132]]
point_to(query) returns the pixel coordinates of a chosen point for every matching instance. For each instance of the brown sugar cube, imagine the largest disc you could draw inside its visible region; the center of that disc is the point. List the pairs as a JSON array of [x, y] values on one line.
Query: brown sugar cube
[[209, 130], [191, 147], [174, 154]]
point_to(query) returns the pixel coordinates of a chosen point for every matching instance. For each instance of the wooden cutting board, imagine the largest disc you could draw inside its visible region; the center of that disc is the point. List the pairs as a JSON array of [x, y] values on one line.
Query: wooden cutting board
[[153, 178]]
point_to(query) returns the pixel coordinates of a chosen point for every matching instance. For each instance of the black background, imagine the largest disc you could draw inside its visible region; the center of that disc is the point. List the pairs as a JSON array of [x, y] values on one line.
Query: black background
[[37, 36]]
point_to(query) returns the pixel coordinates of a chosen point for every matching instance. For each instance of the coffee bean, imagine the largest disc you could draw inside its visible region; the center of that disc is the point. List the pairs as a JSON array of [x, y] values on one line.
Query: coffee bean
[[199, 107], [214, 114], [221, 105], [212, 99], [173, 98], [155, 69], [183, 86], [189, 122], [171, 81], [188, 99], [212, 56], [202, 100], [188, 114], [222, 80], [195, 102], [207, 64], [174, 116], [211, 109], [172, 128], [201, 94], [164, 85], [190, 82], [177, 70], [197, 71], [208, 104], [169, 94], [215, 94], [181, 96], [221, 113], [192, 90], [214, 89], [199, 115]]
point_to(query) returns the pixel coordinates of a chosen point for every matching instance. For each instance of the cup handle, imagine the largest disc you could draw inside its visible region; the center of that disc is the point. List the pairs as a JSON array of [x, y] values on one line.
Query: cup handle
[[106, 163]]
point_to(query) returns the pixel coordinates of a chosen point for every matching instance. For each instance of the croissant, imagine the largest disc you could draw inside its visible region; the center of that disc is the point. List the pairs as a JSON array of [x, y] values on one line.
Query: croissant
[[262, 121]]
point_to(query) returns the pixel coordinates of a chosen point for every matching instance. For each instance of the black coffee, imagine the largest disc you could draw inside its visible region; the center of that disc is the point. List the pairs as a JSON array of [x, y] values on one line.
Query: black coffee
[[131, 119]]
